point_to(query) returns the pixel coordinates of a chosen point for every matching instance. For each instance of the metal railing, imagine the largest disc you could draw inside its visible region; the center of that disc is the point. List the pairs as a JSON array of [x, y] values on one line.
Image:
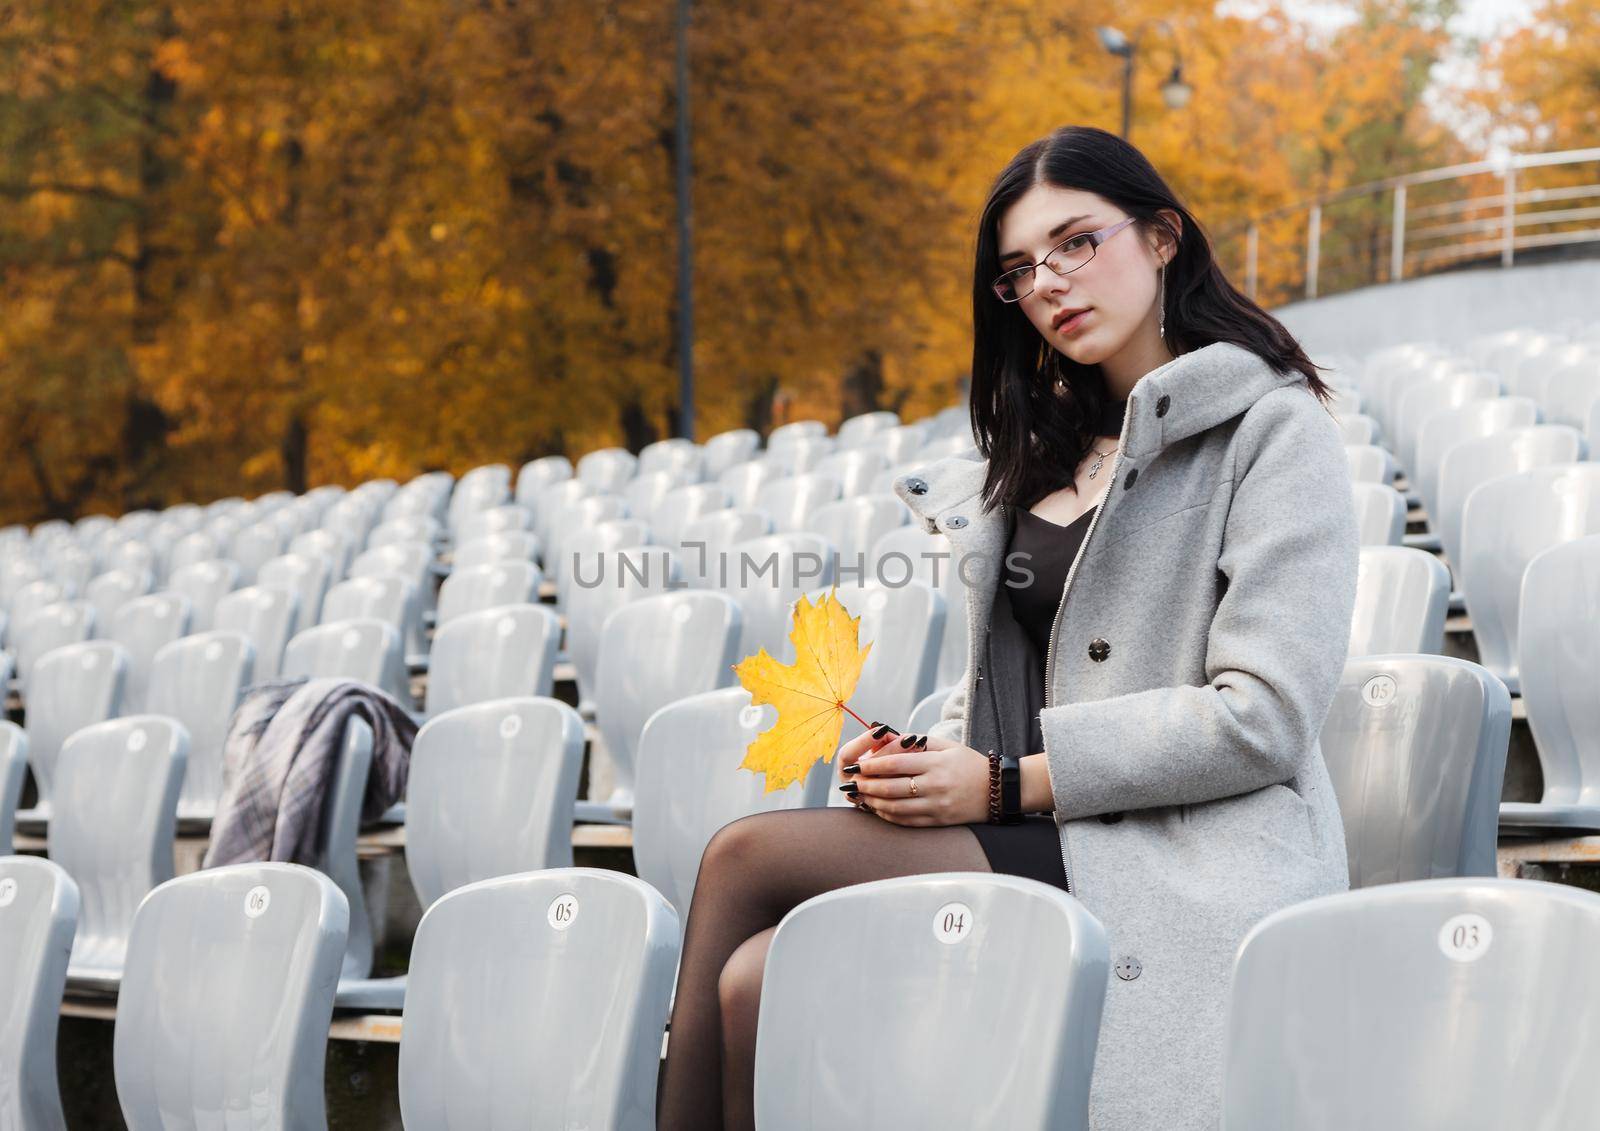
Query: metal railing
[[1445, 219]]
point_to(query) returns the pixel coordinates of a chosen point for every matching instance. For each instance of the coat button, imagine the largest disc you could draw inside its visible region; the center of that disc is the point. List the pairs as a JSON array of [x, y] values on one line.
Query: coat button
[[1162, 405], [1133, 473], [1098, 649], [1128, 968], [917, 486], [955, 522], [1110, 818]]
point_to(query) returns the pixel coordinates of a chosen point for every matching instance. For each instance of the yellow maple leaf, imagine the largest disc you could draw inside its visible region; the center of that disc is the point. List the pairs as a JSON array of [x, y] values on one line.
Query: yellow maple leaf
[[809, 694]]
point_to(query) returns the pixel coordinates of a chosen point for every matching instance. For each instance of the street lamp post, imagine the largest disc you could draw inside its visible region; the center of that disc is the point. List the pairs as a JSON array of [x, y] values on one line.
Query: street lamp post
[[1175, 91]]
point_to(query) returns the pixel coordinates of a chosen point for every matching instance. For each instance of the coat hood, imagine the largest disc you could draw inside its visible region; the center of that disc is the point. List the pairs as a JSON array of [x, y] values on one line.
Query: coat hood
[[1189, 394]]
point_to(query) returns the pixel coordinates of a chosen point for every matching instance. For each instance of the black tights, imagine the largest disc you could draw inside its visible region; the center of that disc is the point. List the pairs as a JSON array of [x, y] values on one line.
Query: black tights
[[754, 871]]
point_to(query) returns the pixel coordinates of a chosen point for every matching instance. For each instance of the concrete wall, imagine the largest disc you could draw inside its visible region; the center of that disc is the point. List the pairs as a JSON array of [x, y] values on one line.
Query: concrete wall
[[1450, 308]]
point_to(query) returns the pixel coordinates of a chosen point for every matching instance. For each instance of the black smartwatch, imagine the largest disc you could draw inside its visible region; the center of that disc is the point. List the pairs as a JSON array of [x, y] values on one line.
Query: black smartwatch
[[1010, 790]]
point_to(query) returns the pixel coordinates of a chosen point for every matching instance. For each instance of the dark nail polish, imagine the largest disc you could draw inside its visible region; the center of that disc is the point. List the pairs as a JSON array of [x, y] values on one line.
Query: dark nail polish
[[874, 724], [922, 743], [905, 743], [849, 787], [882, 730], [853, 768]]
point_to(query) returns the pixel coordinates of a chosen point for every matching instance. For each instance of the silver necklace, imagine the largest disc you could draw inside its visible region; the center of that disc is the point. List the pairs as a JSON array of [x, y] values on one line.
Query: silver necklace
[[1094, 468]]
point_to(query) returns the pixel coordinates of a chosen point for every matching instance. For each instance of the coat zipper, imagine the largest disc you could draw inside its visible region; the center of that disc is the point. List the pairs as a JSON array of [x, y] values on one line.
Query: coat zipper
[[1066, 586]]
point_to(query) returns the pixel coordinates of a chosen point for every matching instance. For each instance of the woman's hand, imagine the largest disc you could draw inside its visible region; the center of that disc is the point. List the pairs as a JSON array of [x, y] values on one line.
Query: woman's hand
[[876, 736], [952, 781]]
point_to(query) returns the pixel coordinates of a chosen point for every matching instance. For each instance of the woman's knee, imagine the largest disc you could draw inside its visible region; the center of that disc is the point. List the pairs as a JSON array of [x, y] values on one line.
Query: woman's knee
[[739, 984], [739, 844]]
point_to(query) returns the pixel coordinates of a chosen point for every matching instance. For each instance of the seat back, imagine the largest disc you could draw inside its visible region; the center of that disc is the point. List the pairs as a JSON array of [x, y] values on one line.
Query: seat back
[[863, 427], [1416, 751], [725, 449], [388, 597], [364, 649], [492, 788], [487, 587], [692, 639], [1558, 649], [587, 557], [513, 545], [38, 916], [305, 576], [910, 553], [1507, 522], [603, 582], [904, 624], [197, 546], [745, 481], [703, 541], [800, 455], [336, 843], [538, 1000], [73, 687], [676, 455], [44, 630], [495, 520], [252, 547], [540, 473], [410, 560], [766, 576], [606, 469], [681, 506], [1425, 399], [793, 499], [205, 583], [34, 596], [576, 524], [227, 996], [875, 946], [333, 548], [198, 681], [1472, 463], [13, 764], [264, 616], [548, 501], [1402, 597], [1408, 1005], [854, 468], [1380, 514], [116, 801], [500, 653], [143, 627], [688, 784], [1370, 463], [109, 592], [1442, 431], [855, 524], [410, 528]]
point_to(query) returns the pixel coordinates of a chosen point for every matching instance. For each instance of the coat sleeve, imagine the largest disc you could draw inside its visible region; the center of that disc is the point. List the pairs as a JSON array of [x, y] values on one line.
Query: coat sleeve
[[1275, 649]]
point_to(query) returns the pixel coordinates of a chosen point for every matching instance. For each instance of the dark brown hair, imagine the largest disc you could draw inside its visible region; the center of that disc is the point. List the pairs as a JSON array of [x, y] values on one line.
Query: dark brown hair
[[1033, 437]]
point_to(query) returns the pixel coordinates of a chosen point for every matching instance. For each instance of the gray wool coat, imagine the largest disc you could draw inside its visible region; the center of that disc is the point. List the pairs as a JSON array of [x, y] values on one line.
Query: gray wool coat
[[1195, 655]]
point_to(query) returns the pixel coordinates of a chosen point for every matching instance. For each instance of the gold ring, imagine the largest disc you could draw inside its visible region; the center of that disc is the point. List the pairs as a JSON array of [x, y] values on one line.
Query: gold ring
[[913, 782]]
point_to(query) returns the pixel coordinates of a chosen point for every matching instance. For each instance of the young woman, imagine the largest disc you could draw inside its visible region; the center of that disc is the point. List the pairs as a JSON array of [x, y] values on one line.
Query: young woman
[[1167, 502]]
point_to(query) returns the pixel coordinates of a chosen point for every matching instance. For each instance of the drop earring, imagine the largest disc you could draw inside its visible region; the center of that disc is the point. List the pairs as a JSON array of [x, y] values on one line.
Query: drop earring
[[1162, 301]]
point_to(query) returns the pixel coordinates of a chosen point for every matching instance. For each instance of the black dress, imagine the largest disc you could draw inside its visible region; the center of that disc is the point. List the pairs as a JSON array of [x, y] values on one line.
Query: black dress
[[1038, 556]]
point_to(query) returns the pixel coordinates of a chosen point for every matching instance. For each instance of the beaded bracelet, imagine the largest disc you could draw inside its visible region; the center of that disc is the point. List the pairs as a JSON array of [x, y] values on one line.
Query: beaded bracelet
[[994, 788]]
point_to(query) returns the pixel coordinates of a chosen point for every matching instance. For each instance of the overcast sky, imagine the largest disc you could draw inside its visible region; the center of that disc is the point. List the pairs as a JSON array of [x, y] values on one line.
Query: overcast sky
[[1480, 19]]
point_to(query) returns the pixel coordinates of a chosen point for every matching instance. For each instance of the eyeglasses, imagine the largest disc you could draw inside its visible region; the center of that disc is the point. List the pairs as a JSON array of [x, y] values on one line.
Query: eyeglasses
[[1066, 257]]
